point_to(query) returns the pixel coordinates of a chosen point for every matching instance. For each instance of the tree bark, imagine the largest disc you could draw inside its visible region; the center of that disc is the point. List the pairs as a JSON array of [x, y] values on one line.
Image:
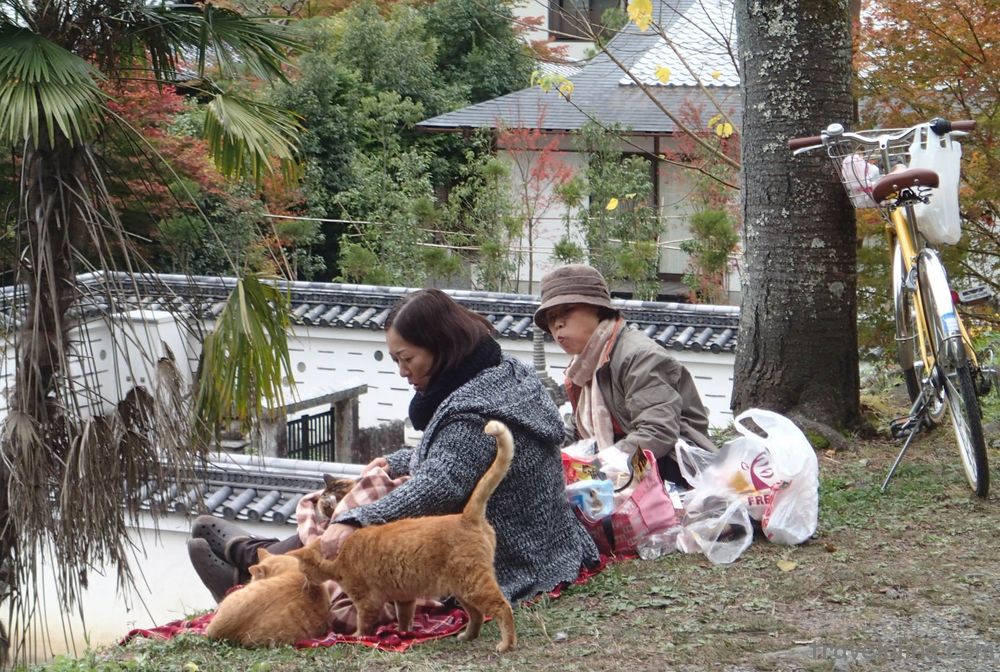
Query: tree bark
[[54, 185], [798, 327]]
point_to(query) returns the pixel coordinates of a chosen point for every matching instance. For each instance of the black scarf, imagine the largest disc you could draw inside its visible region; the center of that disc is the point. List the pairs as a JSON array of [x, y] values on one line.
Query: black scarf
[[423, 405]]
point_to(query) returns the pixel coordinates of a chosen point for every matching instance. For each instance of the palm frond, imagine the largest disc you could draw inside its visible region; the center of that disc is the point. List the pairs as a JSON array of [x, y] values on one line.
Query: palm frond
[[245, 359], [244, 135], [44, 88], [220, 36]]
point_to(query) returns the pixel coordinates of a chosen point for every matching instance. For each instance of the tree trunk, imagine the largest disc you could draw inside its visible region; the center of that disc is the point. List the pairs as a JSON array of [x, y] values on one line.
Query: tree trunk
[[47, 225], [54, 186], [798, 333]]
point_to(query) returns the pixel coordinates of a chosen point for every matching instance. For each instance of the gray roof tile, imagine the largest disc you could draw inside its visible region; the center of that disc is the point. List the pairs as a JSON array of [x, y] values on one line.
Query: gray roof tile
[[320, 304], [241, 487], [599, 92], [702, 42]]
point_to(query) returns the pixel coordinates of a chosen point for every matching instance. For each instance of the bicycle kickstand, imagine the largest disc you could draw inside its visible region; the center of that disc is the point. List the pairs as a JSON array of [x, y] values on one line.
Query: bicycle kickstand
[[912, 425]]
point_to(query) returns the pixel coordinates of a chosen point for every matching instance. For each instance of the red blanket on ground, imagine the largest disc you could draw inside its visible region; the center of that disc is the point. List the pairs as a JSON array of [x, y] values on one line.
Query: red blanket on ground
[[428, 623]]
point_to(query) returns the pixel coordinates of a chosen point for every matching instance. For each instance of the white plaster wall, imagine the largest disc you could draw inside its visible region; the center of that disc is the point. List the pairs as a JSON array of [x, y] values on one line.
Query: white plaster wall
[[326, 359], [575, 50], [168, 590], [107, 360], [549, 226]]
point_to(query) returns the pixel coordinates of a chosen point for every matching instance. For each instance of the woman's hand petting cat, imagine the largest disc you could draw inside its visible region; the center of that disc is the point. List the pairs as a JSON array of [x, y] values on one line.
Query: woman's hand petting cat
[[378, 462], [333, 537]]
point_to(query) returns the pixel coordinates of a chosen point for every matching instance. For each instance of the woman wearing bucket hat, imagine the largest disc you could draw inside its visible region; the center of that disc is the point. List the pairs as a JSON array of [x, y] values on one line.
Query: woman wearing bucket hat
[[625, 389]]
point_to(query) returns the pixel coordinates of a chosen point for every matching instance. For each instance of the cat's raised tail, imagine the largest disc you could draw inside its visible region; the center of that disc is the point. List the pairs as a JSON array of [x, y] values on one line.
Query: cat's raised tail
[[475, 508]]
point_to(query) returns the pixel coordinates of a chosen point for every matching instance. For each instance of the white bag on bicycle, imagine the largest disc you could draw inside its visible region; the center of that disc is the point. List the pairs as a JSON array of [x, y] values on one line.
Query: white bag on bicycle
[[939, 221]]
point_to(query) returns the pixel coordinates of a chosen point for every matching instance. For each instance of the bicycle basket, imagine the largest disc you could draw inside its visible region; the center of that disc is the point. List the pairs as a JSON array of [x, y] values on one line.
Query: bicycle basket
[[859, 164]]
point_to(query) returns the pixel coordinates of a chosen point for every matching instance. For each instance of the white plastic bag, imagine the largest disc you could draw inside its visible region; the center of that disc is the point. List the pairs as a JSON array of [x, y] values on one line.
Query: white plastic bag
[[720, 529], [772, 478], [793, 512], [939, 221], [716, 519], [615, 465], [584, 449], [741, 470], [859, 177]]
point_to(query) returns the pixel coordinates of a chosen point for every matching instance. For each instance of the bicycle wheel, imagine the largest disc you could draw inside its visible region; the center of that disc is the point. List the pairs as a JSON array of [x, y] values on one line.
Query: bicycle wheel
[[966, 418], [954, 372]]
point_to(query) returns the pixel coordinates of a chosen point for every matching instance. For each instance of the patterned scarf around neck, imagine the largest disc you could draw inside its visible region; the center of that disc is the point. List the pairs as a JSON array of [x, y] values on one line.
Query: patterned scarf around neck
[[424, 404], [593, 417]]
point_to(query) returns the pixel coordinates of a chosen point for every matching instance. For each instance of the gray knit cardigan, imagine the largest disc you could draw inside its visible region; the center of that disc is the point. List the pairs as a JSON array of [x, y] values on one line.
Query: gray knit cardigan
[[540, 543]]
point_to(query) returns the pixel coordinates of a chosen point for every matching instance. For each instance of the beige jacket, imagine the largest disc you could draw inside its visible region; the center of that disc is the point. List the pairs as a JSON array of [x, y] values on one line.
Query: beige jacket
[[651, 395]]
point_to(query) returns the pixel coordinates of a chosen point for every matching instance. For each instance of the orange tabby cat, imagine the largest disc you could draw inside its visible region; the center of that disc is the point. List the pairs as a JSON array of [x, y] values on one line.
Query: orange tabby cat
[[429, 556], [278, 606]]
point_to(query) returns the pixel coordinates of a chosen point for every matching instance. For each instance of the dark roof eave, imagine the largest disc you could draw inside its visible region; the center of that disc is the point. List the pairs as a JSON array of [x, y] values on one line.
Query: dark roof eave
[[462, 129]]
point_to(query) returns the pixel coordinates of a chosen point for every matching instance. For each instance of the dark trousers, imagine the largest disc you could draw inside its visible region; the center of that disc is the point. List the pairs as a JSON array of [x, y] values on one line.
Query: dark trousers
[[244, 553], [671, 471]]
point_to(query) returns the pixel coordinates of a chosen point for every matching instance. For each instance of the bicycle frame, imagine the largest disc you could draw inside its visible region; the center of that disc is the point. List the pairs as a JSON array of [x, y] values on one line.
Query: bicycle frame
[[931, 288], [947, 378]]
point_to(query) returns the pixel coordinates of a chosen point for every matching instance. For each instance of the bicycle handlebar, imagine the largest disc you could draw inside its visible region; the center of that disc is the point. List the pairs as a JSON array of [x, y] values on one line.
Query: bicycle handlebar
[[801, 143], [939, 126]]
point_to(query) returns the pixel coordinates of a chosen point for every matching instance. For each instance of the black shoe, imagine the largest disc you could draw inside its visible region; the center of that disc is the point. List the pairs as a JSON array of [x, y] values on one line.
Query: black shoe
[[219, 533], [217, 574]]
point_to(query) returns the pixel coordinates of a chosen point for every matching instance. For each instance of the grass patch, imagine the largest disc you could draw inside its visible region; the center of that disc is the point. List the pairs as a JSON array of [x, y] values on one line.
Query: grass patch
[[915, 564]]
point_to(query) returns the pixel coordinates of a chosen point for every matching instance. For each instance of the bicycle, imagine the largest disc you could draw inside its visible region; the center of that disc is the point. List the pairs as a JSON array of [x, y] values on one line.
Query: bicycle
[[942, 373]]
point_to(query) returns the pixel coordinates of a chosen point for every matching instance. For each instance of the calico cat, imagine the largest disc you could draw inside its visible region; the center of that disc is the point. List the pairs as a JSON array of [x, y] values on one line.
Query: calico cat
[[335, 490], [430, 556], [279, 606]]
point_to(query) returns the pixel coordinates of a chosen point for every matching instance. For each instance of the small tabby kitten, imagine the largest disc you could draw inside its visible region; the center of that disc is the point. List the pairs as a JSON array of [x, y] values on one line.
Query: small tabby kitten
[[279, 606], [431, 556], [335, 490]]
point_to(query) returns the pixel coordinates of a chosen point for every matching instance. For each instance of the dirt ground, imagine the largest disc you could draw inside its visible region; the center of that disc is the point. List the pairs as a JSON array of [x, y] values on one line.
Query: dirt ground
[[906, 580], [902, 581]]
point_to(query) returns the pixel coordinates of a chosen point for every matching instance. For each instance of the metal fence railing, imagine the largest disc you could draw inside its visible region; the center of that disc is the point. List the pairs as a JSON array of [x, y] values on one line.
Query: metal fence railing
[[310, 437]]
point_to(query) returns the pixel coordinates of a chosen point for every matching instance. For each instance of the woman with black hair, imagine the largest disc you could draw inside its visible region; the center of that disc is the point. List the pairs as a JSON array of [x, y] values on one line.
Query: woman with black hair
[[461, 380]]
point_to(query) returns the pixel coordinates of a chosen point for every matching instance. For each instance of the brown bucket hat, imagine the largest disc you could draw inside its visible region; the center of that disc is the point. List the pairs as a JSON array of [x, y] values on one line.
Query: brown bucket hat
[[574, 283]]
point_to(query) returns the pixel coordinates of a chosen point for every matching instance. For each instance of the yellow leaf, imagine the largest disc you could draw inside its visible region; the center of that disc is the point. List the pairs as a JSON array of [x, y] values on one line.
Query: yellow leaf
[[191, 667], [641, 13], [663, 74], [612, 204], [724, 130], [714, 120], [787, 565], [632, 195], [566, 88], [716, 74]]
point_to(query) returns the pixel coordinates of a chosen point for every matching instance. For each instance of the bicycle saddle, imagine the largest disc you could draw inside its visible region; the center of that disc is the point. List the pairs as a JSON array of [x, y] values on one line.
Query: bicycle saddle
[[912, 177]]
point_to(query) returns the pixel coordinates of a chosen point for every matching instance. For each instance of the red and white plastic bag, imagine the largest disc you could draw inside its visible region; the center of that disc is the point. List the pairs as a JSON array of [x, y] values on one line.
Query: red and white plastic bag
[[773, 478]]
